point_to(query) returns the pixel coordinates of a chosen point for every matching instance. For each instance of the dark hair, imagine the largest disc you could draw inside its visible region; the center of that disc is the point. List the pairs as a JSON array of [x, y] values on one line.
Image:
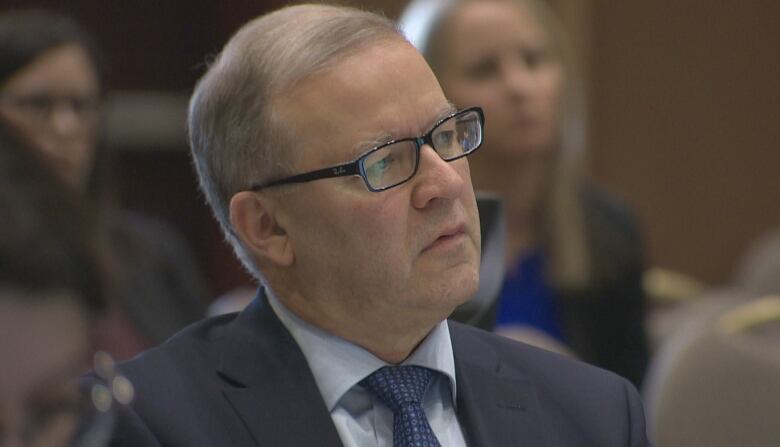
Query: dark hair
[[49, 237], [25, 35]]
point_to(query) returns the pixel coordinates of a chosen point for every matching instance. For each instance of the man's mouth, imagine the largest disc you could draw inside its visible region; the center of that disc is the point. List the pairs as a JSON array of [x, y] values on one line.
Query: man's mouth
[[449, 237]]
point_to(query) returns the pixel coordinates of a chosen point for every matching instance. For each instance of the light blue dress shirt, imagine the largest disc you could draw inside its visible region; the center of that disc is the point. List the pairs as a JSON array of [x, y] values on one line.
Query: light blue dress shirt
[[360, 418]]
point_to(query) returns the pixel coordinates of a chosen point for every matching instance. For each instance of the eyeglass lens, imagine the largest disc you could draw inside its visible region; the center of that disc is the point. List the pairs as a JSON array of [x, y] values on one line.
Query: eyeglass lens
[[396, 163]]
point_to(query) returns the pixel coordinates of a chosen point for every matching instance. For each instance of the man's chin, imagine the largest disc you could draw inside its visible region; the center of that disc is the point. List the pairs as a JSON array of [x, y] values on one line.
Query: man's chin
[[461, 287]]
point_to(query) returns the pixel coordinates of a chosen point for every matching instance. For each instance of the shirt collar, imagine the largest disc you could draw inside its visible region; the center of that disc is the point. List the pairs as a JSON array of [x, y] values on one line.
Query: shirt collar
[[337, 364]]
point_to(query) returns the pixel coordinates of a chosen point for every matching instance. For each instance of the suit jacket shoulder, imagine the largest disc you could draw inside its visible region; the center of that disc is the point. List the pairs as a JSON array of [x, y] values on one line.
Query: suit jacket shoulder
[[237, 380], [509, 391], [241, 380]]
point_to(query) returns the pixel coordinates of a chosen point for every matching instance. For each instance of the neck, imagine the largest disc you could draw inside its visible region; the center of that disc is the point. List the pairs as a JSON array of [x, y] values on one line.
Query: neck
[[389, 338]]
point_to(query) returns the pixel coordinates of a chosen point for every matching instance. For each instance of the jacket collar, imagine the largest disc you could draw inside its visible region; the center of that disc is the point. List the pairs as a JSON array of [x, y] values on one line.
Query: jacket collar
[[497, 405], [273, 390], [275, 394]]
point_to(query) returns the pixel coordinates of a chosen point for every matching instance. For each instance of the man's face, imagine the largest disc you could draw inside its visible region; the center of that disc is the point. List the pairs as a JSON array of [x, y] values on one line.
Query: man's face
[[410, 253]]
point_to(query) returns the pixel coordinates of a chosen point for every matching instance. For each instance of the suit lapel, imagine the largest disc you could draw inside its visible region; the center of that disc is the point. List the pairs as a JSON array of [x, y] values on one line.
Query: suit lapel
[[271, 386], [496, 405]]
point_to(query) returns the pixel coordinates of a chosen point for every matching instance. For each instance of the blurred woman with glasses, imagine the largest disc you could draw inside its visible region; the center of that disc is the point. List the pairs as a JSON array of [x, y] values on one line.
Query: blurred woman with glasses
[[573, 255], [51, 89]]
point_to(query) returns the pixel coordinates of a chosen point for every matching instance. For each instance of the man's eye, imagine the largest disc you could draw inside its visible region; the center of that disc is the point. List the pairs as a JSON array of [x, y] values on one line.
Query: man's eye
[[383, 165], [444, 139]]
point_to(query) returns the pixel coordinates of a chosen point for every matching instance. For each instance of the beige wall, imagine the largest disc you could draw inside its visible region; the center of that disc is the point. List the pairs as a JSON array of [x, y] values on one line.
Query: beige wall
[[686, 123]]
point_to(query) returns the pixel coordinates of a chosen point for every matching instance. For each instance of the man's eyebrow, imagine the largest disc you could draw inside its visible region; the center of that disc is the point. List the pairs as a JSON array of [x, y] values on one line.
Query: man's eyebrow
[[368, 144], [445, 112], [380, 139]]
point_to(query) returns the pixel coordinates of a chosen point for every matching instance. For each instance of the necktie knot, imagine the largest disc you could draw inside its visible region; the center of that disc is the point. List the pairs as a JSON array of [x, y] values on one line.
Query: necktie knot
[[397, 386], [402, 388]]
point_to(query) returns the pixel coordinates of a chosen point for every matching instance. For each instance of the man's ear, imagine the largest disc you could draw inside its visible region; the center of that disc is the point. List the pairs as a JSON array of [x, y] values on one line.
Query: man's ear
[[253, 216]]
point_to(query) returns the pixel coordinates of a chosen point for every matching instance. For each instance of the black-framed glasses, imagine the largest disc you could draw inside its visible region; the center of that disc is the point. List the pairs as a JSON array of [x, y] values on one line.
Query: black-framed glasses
[[395, 162]]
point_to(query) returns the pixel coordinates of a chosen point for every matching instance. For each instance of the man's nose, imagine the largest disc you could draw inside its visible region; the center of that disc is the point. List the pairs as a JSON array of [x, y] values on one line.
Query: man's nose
[[436, 178]]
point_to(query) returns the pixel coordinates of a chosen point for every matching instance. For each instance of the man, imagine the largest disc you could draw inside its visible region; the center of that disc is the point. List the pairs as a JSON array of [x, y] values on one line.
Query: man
[[337, 169]]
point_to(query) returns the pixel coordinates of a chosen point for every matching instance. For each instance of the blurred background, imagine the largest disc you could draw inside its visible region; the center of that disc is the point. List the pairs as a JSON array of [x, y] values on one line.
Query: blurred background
[[684, 119]]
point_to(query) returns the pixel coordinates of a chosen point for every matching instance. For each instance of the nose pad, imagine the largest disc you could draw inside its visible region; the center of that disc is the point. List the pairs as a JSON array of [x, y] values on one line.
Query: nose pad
[[431, 156]]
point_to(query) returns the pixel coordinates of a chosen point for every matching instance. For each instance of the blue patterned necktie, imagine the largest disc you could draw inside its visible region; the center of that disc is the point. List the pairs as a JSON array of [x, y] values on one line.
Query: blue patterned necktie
[[401, 388]]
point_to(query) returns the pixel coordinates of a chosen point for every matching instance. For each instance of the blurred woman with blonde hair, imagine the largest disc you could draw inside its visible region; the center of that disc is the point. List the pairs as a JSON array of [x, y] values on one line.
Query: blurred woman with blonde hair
[[573, 254]]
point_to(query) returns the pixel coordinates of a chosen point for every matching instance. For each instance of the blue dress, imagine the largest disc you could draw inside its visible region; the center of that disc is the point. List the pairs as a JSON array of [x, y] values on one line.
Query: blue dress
[[527, 300]]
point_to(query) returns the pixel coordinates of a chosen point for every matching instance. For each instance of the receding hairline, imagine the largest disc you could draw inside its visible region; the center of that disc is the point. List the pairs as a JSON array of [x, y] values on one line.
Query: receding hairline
[[292, 84], [278, 100], [235, 139], [300, 20]]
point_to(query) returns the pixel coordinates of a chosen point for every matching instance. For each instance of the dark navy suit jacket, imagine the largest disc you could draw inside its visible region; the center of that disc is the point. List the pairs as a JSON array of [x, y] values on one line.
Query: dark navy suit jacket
[[241, 380]]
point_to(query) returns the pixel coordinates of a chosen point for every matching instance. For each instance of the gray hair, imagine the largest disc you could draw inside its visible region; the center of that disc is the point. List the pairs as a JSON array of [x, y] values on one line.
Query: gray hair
[[234, 136]]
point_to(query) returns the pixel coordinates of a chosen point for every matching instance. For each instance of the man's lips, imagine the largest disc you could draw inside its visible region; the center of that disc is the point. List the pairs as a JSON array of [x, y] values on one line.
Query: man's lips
[[449, 235]]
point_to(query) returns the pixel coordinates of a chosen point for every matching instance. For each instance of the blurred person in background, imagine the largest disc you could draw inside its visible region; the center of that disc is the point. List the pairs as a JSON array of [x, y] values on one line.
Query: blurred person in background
[[51, 89], [573, 257], [53, 287]]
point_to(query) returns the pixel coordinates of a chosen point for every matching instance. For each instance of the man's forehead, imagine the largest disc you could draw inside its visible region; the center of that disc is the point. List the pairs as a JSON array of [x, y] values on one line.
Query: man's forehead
[[366, 54], [384, 92], [386, 135]]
